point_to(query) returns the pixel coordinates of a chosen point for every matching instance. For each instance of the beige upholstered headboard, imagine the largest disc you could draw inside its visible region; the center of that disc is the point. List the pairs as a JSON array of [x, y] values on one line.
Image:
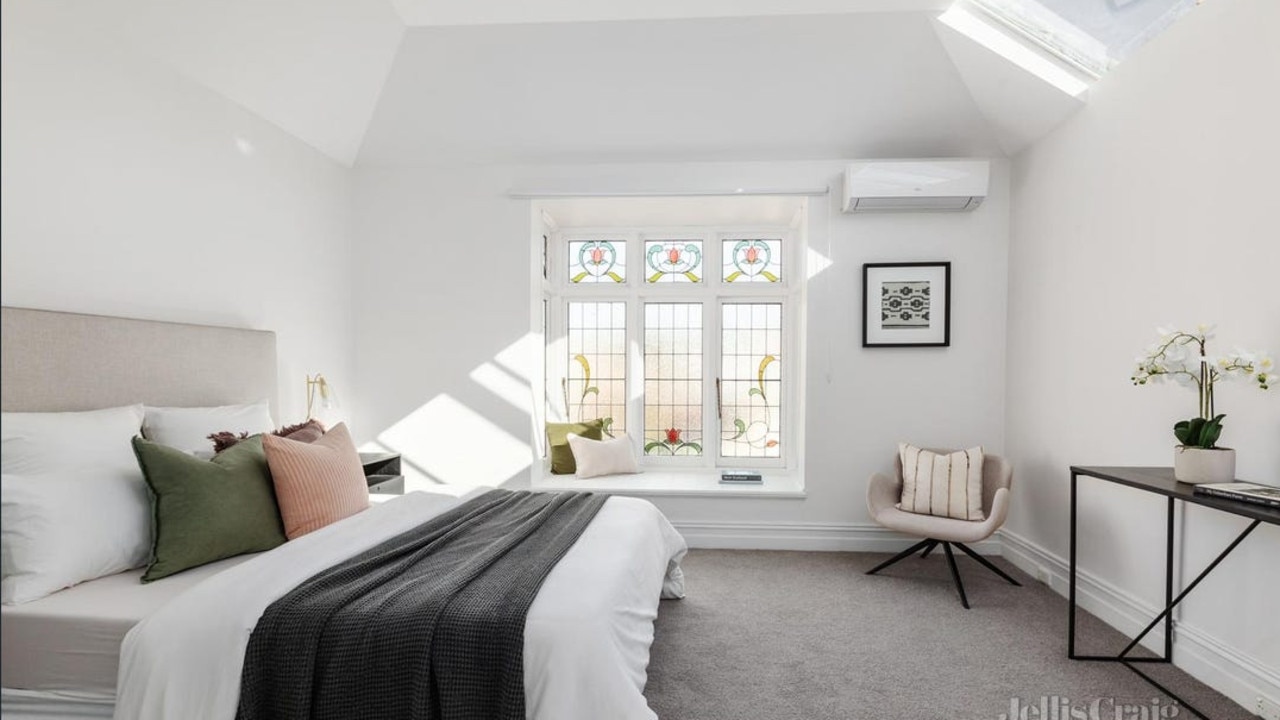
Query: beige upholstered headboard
[[55, 361]]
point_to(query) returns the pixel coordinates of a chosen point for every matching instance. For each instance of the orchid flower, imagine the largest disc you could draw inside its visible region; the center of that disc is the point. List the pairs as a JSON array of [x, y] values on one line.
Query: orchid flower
[[1181, 356]]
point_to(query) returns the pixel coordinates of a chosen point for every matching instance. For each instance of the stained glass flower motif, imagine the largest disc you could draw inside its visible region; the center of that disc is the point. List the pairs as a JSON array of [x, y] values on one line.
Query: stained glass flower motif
[[752, 260], [598, 261], [751, 385], [673, 378], [597, 362], [673, 261]]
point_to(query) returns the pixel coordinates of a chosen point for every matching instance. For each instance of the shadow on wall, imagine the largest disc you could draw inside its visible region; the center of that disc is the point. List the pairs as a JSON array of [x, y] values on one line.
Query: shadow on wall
[[446, 442]]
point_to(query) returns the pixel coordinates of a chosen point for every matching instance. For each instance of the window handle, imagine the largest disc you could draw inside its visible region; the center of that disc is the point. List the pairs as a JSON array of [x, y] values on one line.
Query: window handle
[[719, 402]]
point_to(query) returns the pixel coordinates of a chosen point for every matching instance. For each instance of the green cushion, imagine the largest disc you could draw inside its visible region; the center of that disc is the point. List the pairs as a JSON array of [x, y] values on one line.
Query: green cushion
[[558, 440], [207, 510]]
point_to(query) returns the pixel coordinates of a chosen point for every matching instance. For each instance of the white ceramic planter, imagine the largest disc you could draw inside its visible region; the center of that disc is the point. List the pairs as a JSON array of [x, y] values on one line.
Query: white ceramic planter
[[1197, 465]]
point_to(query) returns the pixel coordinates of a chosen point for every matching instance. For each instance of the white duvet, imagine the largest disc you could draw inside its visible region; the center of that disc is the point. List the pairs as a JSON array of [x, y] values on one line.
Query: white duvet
[[586, 638]]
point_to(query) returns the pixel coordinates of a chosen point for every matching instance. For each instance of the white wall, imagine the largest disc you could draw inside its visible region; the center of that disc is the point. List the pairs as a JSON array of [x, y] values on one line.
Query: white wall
[[445, 255], [1154, 205], [131, 191]]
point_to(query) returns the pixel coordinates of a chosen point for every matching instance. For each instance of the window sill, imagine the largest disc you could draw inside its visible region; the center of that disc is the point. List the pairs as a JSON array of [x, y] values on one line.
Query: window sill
[[666, 483]]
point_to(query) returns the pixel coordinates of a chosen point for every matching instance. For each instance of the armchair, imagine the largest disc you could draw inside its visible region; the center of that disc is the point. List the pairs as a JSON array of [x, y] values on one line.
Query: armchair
[[884, 493]]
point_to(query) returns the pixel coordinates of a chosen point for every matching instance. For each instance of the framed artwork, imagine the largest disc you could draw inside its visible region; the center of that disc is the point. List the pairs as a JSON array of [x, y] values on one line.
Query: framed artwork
[[906, 304]]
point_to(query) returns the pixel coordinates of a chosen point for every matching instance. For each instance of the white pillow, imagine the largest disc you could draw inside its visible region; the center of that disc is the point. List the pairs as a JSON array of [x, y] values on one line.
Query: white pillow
[[613, 456], [188, 429], [41, 443], [58, 530], [942, 485]]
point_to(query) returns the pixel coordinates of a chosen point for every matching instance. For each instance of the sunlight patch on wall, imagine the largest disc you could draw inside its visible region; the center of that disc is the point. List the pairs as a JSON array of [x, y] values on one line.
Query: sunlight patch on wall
[[817, 262], [501, 383], [520, 358], [455, 445]]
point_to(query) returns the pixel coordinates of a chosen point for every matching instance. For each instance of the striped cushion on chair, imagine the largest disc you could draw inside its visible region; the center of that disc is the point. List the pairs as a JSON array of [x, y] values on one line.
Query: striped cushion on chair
[[942, 485], [316, 483]]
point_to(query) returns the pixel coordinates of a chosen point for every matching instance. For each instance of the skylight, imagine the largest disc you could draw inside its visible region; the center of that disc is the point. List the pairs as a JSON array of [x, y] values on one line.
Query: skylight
[[1092, 35], [980, 27]]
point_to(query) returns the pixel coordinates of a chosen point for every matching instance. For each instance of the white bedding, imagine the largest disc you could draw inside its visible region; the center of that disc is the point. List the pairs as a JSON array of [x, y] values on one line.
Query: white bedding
[[587, 635], [70, 641]]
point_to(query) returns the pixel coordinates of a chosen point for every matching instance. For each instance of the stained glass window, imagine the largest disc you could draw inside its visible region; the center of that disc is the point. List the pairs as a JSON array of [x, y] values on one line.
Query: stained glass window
[[751, 380], [752, 260], [673, 379], [597, 347], [673, 261], [598, 261]]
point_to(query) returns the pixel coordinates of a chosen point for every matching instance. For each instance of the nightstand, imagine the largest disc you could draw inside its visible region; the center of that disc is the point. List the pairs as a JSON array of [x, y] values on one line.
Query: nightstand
[[382, 470]]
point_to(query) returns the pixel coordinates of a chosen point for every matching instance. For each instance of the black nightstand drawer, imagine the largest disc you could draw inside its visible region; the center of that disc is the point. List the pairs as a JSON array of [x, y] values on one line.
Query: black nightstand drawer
[[386, 484], [380, 463]]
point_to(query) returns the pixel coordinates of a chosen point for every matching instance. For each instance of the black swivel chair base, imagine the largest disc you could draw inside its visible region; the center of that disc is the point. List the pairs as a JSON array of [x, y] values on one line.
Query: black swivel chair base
[[928, 544]]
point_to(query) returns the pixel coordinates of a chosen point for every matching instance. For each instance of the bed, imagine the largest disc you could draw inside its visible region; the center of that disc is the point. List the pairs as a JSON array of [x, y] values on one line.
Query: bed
[[175, 647]]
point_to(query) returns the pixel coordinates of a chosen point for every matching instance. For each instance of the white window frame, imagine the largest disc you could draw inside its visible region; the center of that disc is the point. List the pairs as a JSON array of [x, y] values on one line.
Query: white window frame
[[713, 293]]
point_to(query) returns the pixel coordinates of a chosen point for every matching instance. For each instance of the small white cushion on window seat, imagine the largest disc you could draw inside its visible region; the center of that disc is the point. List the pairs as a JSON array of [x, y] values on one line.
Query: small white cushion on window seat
[[613, 456]]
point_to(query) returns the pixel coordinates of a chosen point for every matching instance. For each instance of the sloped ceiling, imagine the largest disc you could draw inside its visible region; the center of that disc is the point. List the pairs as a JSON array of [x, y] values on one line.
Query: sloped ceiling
[[313, 68], [404, 82], [1020, 107], [869, 84]]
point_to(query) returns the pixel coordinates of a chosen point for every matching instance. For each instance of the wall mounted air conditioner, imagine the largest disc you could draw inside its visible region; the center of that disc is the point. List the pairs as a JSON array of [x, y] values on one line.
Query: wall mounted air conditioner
[[915, 185]]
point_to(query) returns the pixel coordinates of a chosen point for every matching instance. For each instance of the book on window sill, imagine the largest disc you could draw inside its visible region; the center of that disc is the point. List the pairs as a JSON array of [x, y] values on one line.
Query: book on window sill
[[1247, 492], [741, 477]]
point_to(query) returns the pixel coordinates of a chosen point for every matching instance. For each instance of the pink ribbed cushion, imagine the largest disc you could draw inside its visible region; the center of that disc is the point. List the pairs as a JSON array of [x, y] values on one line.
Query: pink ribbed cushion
[[316, 483]]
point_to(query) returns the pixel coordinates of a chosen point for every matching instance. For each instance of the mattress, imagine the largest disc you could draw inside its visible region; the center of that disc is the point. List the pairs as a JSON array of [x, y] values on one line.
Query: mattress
[[70, 640]]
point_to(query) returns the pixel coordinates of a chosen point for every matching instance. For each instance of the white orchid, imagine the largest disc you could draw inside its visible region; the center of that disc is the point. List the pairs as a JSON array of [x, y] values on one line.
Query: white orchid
[[1180, 356]]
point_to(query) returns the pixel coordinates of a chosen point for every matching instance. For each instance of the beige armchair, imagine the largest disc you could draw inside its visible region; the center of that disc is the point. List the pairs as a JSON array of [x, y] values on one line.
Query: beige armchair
[[883, 494]]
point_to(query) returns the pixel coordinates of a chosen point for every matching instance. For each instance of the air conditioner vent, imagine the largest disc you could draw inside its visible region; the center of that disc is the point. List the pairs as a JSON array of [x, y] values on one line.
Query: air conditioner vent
[[915, 185]]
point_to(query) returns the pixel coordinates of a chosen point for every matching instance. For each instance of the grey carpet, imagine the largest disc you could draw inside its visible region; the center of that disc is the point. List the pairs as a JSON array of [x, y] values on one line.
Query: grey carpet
[[808, 636]]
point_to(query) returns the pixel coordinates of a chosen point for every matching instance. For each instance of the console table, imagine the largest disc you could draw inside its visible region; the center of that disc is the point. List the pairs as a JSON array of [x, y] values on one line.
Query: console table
[[1159, 481]]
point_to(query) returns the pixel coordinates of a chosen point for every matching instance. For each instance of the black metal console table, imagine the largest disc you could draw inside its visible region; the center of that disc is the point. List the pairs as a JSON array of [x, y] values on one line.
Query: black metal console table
[[1158, 480]]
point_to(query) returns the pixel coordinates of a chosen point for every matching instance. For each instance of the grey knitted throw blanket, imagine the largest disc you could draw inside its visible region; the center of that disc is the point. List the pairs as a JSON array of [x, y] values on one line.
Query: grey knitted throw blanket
[[428, 625]]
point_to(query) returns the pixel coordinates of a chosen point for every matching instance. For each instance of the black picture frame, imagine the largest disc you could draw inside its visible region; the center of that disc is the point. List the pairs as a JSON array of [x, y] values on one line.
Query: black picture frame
[[909, 333]]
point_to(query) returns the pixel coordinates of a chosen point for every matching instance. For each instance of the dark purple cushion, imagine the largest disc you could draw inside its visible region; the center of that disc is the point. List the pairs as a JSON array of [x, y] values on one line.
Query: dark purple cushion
[[307, 432]]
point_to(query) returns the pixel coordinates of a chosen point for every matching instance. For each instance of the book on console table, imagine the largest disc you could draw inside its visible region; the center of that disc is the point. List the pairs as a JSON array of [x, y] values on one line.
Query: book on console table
[[1247, 492], [741, 477]]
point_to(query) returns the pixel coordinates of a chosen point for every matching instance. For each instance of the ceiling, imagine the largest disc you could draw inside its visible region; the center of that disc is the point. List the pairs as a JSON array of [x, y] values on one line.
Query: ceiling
[[412, 82], [314, 68], [782, 87]]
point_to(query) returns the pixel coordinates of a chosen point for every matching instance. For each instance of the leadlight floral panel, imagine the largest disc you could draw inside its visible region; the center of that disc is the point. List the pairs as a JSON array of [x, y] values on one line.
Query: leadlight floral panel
[[596, 386], [751, 380], [598, 261], [673, 379], [748, 260], [673, 261]]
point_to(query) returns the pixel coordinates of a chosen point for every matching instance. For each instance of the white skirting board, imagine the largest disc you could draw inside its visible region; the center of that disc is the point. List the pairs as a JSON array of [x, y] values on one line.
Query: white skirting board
[[843, 537], [1240, 677]]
